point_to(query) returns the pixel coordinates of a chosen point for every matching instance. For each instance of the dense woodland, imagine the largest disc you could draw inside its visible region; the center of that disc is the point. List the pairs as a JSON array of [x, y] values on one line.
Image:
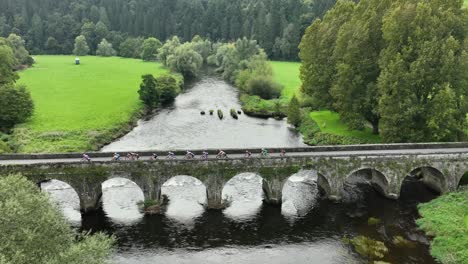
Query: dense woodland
[[50, 26]]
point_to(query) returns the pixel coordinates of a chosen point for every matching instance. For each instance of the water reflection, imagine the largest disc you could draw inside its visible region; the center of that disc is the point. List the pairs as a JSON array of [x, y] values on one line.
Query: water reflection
[[66, 198], [245, 195], [323, 252], [120, 198], [299, 194], [182, 126], [187, 197]]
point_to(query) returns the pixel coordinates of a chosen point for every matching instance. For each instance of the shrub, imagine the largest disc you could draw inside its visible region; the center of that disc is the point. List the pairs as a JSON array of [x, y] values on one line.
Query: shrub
[[294, 112], [264, 87], [148, 92], [167, 89], [4, 148], [16, 106], [105, 49]]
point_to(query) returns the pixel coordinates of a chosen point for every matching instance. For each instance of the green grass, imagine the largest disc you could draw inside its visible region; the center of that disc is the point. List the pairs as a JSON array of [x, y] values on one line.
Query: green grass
[[329, 122], [75, 105], [287, 74], [445, 218]]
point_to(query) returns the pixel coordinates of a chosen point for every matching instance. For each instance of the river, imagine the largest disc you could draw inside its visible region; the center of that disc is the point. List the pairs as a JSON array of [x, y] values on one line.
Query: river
[[306, 228]]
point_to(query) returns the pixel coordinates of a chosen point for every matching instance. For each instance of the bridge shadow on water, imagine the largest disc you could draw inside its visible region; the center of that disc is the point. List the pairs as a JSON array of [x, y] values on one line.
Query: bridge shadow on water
[[326, 224]]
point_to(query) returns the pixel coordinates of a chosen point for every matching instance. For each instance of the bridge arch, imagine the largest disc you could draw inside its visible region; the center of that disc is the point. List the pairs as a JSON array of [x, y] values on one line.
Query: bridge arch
[[120, 198], [64, 196], [430, 176], [244, 194], [184, 181], [371, 176], [463, 181]]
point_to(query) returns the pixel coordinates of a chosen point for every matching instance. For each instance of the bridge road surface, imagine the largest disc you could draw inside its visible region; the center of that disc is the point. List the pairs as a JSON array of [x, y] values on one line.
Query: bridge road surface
[[315, 153]]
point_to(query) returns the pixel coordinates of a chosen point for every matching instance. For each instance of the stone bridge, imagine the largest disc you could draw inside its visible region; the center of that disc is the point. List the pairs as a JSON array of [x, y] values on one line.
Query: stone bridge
[[440, 166]]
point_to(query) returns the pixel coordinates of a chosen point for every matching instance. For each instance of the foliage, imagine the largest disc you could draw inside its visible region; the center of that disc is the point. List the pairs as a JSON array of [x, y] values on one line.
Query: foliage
[[21, 54], [105, 49], [424, 70], [443, 218], [16, 106], [150, 49], [277, 25], [185, 60], [397, 65], [45, 237], [264, 87], [81, 47], [294, 112], [148, 92], [168, 49], [7, 63], [131, 47], [4, 148], [84, 106], [167, 88]]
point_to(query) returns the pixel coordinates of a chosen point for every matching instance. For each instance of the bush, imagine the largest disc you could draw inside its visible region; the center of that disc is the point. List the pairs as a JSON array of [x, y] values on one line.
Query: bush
[[4, 148], [167, 89], [264, 87], [16, 106], [148, 92]]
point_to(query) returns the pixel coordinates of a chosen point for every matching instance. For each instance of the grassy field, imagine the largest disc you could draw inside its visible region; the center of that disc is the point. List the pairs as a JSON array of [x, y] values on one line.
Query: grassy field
[[287, 74], [329, 122], [78, 105]]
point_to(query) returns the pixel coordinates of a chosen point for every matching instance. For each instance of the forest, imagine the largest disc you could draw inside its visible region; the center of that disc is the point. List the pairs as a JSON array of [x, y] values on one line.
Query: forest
[[50, 27]]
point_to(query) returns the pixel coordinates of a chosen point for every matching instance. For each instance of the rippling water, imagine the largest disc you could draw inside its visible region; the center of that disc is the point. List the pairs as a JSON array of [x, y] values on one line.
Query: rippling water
[[244, 194], [182, 126], [66, 199], [120, 198]]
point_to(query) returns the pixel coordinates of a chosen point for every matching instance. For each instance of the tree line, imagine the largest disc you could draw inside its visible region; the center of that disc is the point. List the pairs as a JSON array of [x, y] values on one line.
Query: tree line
[[400, 66], [51, 27]]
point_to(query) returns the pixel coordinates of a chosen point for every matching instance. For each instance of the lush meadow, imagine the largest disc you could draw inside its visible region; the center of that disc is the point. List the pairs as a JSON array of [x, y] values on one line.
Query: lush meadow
[[79, 107]]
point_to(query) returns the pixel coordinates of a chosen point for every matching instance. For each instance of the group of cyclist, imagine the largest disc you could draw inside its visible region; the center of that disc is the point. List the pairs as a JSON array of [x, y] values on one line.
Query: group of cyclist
[[188, 155]]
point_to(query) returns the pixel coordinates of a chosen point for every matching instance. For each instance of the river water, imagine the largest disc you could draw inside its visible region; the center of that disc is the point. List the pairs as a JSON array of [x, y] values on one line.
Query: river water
[[183, 127], [306, 228]]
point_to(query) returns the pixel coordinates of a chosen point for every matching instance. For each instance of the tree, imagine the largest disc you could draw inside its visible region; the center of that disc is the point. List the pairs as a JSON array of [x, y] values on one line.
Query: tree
[[21, 54], [16, 106], [7, 63], [105, 49], [150, 49], [167, 89], [423, 77], [81, 47], [168, 48], [294, 112], [264, 87], [131, 48], [148, 92], [357, 51], [185, 61], [52, 46], [29, 216], [316, 52]]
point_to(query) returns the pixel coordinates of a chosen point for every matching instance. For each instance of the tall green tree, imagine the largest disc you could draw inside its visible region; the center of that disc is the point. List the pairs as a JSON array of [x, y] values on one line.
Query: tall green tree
[[150, 49], [186, 61], [148, 92], [294, 112], [7, 64], [167, 89], [16, 106], [81, 47], [105, 49], [357, 51], [424, 72], [32, 229], [317, 47]]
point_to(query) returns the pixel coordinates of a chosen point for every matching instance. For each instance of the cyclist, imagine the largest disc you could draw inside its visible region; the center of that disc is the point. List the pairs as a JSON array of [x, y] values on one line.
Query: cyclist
[[154, 156], [283, 153], [116, 157], [86, 157], [171, 155], [264, 152], [189, 155], [204, 155], [221, 154], [247, 154]]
